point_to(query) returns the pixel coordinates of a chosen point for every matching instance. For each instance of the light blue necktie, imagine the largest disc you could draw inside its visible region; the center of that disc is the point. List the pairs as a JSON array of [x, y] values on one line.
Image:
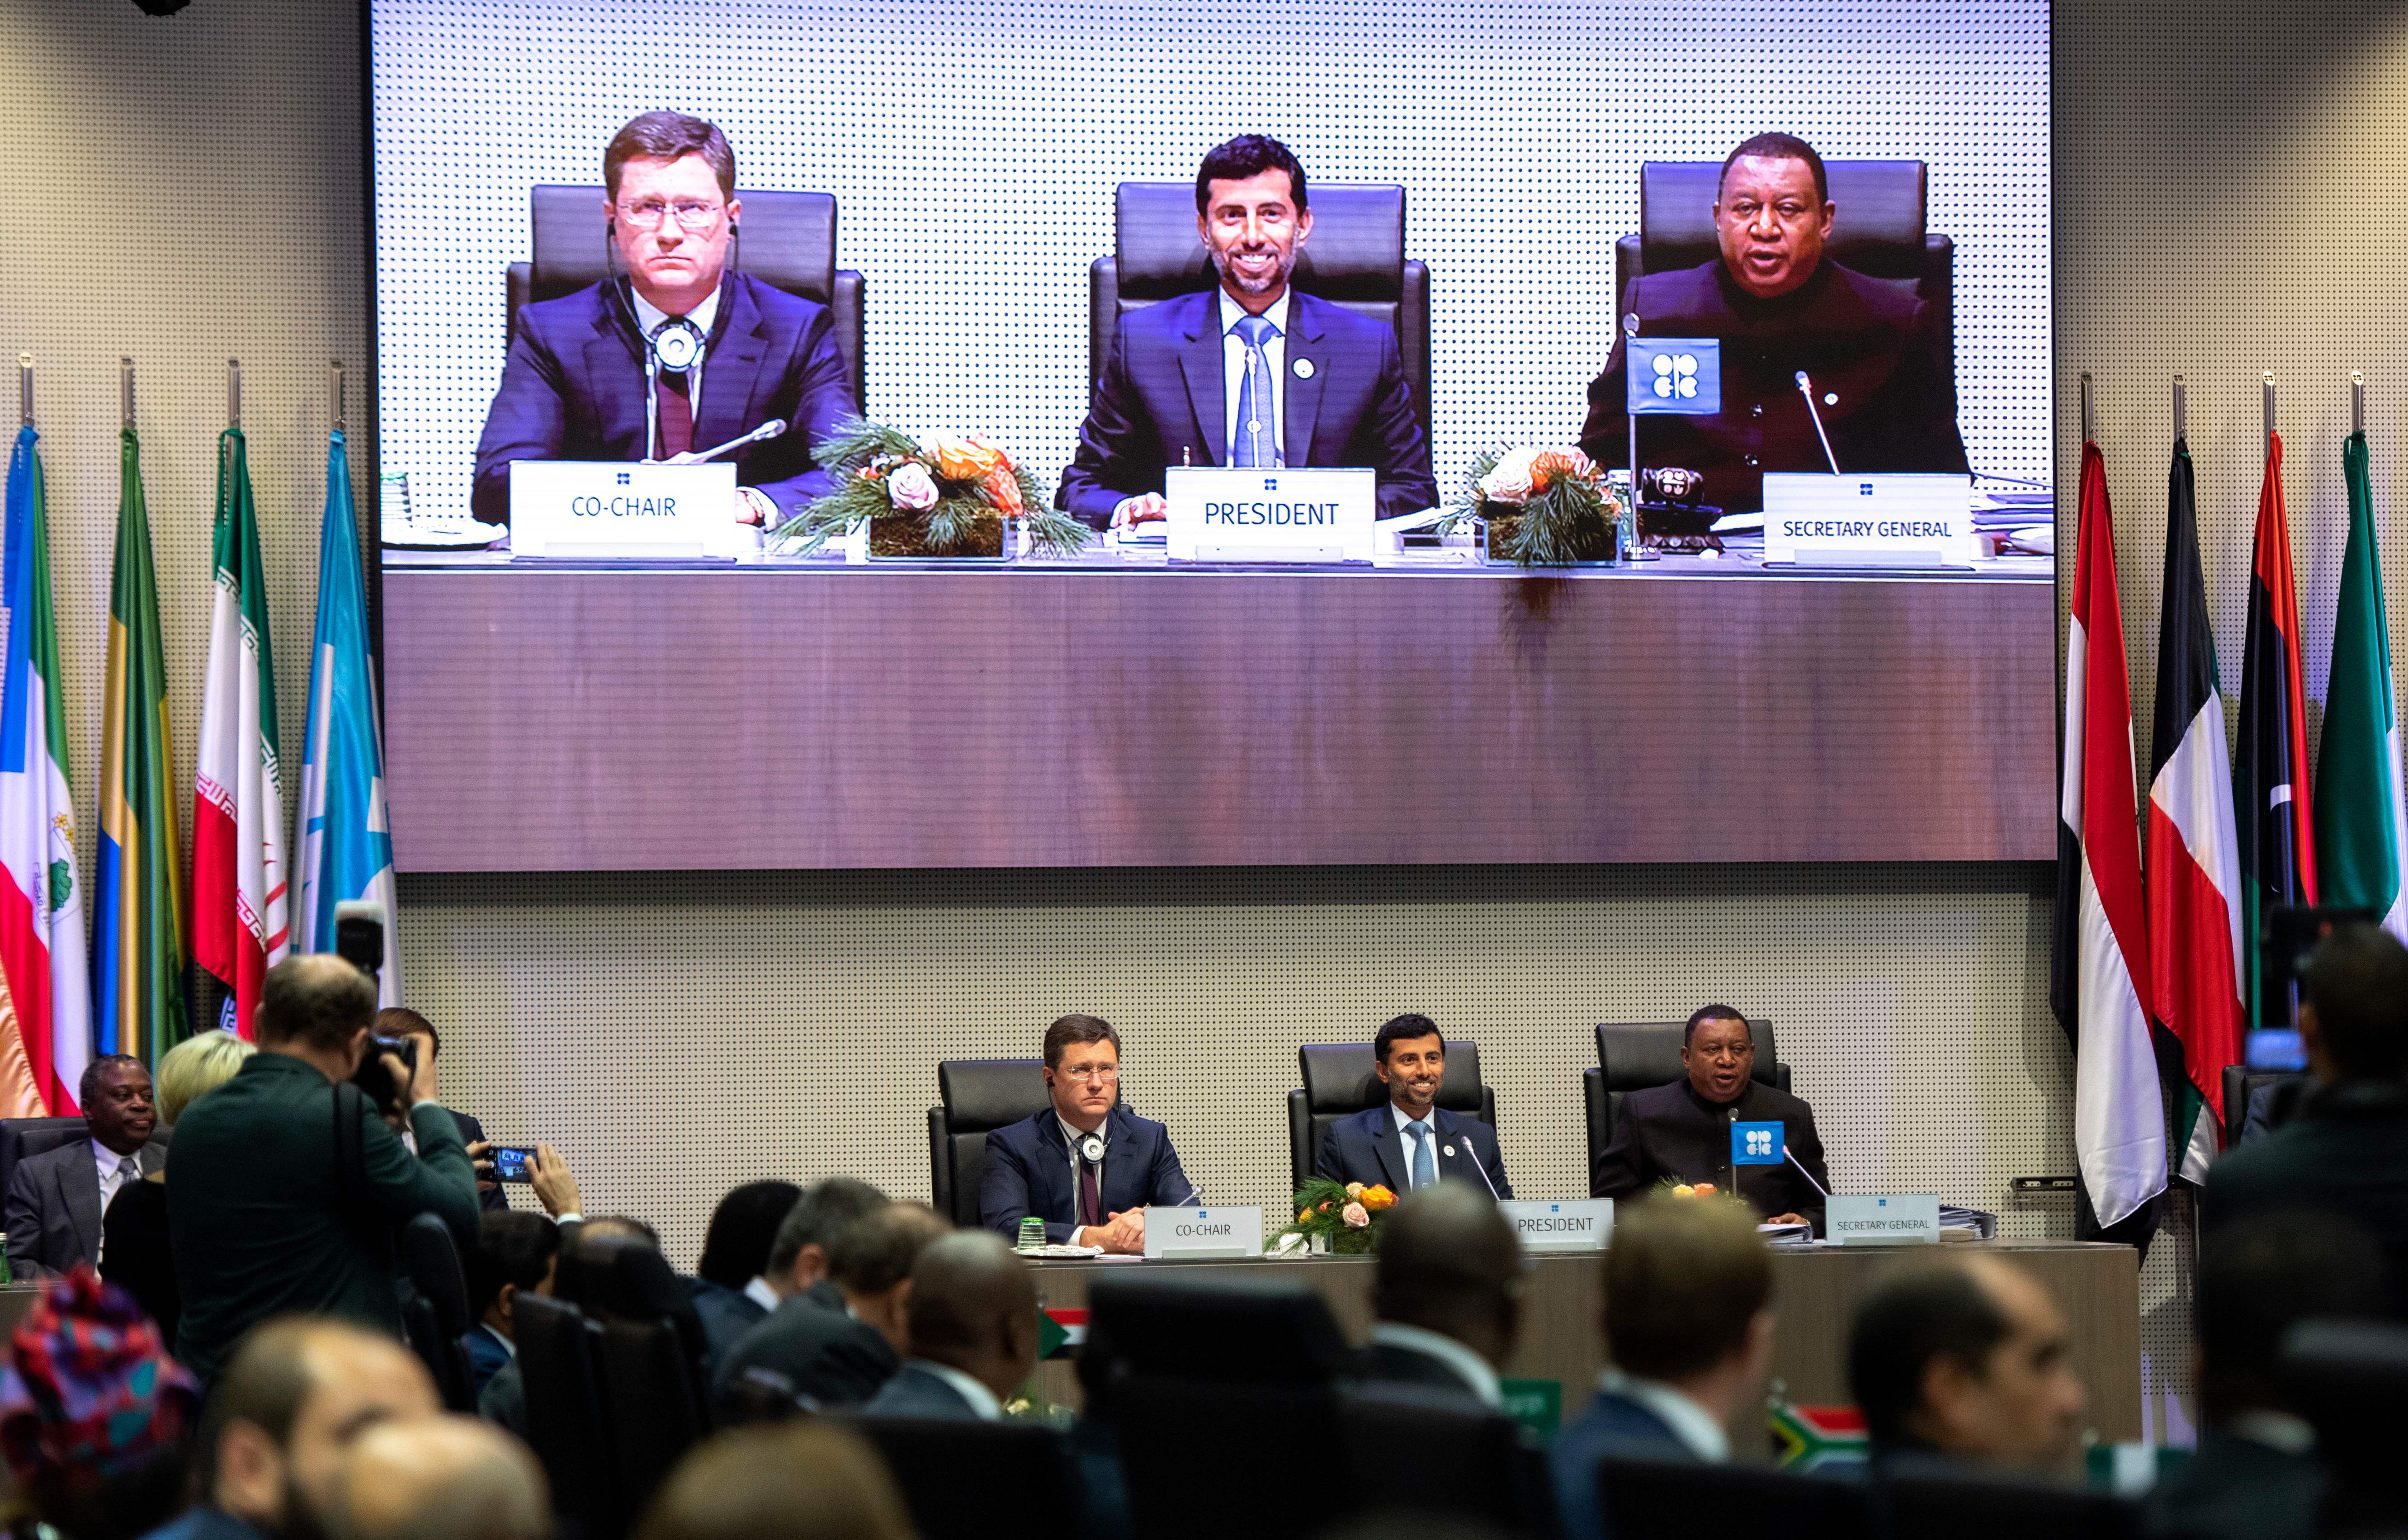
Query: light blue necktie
[[1425, 1163], [1255, 443]]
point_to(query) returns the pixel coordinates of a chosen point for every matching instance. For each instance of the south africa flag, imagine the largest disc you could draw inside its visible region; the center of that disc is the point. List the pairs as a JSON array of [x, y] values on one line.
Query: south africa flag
[[1813, 1439]]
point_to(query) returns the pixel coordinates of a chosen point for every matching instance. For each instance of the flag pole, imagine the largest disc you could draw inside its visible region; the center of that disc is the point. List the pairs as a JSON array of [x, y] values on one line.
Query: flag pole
[[125, 389], [25, 390], [2182, 404], [2270, 406], [2085, 406], [2357, 401], [234, 393]]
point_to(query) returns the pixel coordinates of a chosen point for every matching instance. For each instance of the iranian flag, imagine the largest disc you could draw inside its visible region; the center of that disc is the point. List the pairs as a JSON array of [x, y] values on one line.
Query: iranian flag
[[2195, 951], [2102, 952], [238, 873], [2270, 768], [2357, 806]]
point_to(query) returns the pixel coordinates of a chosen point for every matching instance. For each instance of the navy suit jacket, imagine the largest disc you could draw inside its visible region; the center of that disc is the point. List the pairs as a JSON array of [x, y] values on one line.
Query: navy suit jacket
[[915, 1392], [486, 1355], [1366, 1148], [1029, 1171], [1610, 1425], [573, 389], [471, 1132], [1164, 394]]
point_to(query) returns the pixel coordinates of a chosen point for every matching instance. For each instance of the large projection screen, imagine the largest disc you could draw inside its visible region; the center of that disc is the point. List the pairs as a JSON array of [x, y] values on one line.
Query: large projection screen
[[1108, 708]]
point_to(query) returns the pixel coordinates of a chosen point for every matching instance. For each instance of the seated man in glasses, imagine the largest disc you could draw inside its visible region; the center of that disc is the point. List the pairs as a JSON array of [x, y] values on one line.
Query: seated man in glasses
[[576, 381], [1086, 1165]]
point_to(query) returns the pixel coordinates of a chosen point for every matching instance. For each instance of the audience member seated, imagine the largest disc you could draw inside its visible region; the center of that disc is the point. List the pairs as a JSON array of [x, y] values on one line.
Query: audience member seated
[[1086, 1165], [840, 1358], [2257, 1476], [443, 1478], [55, 1199], [295, 1397], [1447, 1297], [134, 1250], [516, 1254], [798, 1267], [731, 1296], [1963, 1360], [401, 1021], [1410, 1141], [288, 1184], [1687, 1323], [504, 1398], [2346, 1150], [1681, 1132], [972, 1320], [95, 1415], [790, 1481]]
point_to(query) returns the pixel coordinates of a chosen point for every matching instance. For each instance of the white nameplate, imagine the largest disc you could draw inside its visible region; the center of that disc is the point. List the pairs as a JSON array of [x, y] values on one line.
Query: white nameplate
[[1897, 1219], [1582, 1223], [1219, 514], [1203, 1232], [1885, 520], [605, 508]]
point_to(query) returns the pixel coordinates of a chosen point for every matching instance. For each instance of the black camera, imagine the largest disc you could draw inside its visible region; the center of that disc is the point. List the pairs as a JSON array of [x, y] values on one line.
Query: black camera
[[374, 1081]]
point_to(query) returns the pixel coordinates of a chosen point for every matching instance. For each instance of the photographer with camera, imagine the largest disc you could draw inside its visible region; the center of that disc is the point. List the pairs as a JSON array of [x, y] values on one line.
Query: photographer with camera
[[286, 1185]]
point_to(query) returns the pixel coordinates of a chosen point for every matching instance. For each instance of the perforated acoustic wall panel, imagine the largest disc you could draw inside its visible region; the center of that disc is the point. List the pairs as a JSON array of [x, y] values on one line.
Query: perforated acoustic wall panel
[[973, 147]]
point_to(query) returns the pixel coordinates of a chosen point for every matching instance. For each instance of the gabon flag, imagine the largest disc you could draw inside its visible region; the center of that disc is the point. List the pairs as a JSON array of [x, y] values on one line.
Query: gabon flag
[[2357, 805], [239, 882], [2195, 942], [2100, 978], [2270, 768]]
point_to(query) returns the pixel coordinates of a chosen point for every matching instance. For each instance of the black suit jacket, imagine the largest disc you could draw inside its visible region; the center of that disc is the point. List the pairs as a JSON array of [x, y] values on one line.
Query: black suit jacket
[[54, 1204], [1386, 1364], [471, 1131], [914, 1392], [2345, 1152], [1671, 1133], [1163, 400], [2237, 1489], [1366, 1148], [1869, 341], [830, 1357], [1029, 1171]]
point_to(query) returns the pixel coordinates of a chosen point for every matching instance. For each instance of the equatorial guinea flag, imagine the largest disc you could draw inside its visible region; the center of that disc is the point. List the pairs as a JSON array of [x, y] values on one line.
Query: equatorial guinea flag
[[2358, 804], [2270, 767], [239, 876], [2102, 952], [346, 838], [2195, 951], [41, 899]]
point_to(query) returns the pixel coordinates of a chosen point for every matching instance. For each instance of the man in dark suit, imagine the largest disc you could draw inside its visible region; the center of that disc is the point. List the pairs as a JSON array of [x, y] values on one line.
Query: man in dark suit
[[2346, 1150], [1963, 1362], [401, 1021], [287, 1185], [1688, 1335], [1409, 1141], [797, 1266], [574, 386], [1872, 351], [973, 1334], [1252, 373], [1086, 1165], [515, 1254], [840, 1358], [1447, 1297], [1681, 1132], [57, 1198]]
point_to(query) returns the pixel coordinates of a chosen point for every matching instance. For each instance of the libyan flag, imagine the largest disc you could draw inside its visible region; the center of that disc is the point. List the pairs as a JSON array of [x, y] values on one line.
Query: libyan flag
[[2357, 806]]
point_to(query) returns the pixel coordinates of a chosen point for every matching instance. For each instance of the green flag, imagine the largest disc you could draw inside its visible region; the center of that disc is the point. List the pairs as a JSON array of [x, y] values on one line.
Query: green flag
[[2357, 801]]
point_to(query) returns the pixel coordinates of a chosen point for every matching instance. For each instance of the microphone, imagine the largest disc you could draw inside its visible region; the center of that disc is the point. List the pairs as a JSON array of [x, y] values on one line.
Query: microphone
[[1803, 1172], [770, 429], [1473, 1156], [1806, 389], [1194, 1193]]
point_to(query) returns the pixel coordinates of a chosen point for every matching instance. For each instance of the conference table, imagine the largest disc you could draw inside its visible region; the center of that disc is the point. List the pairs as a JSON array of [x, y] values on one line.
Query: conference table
[[1815, 1288]]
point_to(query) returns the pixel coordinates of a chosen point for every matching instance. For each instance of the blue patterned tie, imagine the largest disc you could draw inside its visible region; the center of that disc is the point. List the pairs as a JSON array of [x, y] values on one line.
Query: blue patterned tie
[[1425, 1163], [1255, 442]]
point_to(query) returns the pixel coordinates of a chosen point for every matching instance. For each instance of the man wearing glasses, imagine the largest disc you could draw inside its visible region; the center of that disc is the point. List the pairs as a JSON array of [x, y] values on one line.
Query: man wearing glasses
[[576, 383], [1086, 1165]]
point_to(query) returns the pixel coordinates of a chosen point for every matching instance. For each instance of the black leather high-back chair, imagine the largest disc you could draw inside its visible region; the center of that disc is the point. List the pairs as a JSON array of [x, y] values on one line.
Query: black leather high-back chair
[[655, 1401], [2240, 1083], [558, 1353], [435, 1311], [1877, 229], [977, 1096], [1340, 1079], [786, 240], [953, 1474], [1635, 1056], [1648, 1499], [1354, 257], [1477, 1465]]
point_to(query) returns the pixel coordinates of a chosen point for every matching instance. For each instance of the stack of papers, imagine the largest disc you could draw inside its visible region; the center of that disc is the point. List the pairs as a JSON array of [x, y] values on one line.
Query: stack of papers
[[1785, 1235], [1967, 1224]]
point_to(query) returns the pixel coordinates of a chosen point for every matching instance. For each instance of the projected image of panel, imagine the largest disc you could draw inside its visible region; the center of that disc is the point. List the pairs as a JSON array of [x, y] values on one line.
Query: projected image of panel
[[766, 293]]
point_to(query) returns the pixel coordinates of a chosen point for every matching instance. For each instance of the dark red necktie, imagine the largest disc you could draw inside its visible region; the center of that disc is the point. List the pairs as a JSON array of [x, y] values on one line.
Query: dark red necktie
[[677, 415], [1091, 1201]]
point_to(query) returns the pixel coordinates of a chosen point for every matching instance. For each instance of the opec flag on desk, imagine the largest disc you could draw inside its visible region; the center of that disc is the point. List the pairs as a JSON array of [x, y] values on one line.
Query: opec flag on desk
[[346, 838], [1674, 376], [1757, 1144]]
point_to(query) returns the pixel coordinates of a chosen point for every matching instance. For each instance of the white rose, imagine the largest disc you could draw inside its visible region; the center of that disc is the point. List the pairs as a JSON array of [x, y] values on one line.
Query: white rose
[[911, 489], [1510, 483]]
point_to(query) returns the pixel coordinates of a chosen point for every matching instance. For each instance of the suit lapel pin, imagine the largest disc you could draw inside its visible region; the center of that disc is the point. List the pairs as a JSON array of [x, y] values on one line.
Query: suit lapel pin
[[1450, 1151], [1303, 369]]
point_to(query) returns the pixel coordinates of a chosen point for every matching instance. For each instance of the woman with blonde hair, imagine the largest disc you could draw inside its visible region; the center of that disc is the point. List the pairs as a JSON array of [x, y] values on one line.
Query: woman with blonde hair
[[134, 1231]]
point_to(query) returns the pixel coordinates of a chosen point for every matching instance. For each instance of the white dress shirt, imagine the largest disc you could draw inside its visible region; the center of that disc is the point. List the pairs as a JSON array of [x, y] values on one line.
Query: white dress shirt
[[1691, 1423], [1428, 1120], [112, 1177], [1233, 372], [760, 1293], [1477, 1376], [982, 1403]]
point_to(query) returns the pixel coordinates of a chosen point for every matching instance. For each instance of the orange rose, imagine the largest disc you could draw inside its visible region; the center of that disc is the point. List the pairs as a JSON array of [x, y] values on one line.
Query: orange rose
[[1552, 465], [1377, 1198], [968, 459], [1003, 489], [1704, 1189], [1325, 1208]]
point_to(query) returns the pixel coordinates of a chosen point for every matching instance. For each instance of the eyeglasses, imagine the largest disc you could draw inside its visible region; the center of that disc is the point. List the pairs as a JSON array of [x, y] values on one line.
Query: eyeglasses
[[1093, 1073], [690, 213]]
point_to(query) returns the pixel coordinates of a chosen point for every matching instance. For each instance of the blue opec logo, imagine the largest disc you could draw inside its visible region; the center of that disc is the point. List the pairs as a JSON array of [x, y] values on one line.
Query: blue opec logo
[[1674, 376], [1755, 1145]]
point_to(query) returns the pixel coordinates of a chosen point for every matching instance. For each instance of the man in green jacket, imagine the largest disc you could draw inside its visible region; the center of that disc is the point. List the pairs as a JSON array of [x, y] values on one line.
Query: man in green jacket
[[286, 1186]]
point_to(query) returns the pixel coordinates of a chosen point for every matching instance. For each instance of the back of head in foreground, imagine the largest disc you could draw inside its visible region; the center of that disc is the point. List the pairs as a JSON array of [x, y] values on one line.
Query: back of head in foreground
[[1966, 1357], [196, 1066], [790, 1481], [1688, 1292], [1450, 1262], [973, 1307], [442, 1479], [2354, 1005], [295, 1397], [2257, 1279], [314, 1003], [735, 1245]]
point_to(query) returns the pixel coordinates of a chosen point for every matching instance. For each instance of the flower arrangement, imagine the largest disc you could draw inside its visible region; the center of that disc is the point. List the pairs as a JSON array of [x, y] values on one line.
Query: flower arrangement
[[1542, 507], [1670, 1188], [1348, 1216], [944, 496]]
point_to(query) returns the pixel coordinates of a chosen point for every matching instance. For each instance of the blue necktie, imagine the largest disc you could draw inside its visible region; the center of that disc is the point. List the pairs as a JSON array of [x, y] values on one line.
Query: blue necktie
[[1425, 1163], [1255, 444]]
